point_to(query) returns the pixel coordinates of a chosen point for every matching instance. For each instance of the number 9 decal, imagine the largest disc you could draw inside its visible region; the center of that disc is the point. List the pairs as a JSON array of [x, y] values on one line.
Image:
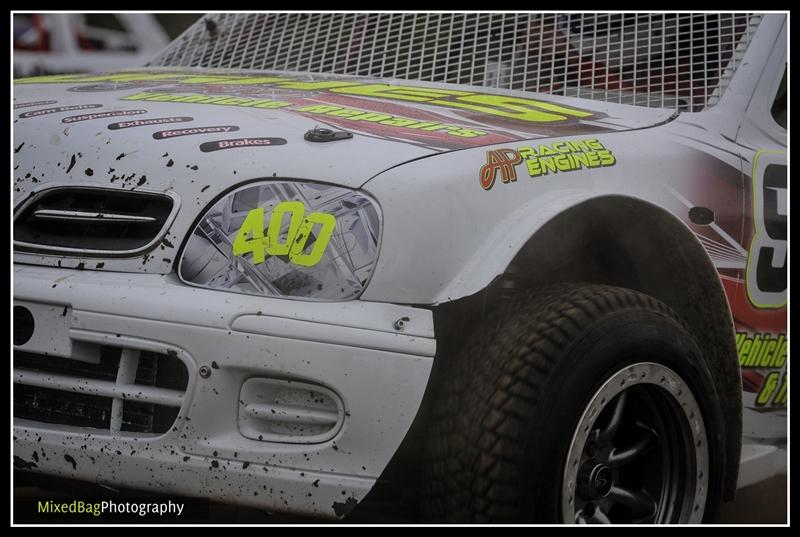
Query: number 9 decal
[[767, 256], [297, 237]]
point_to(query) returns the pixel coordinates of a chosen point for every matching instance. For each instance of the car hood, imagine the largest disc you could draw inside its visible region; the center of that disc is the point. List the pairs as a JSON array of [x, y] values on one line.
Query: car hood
[[103, 116], [198, 133]]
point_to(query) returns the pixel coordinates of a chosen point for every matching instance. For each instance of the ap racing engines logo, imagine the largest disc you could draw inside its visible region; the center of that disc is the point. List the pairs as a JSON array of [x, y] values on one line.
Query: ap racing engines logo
[[557, 157]]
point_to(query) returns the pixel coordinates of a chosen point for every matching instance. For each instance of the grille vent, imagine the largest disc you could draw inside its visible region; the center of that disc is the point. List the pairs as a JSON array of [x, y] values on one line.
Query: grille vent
[[92, 221], [126, 391], [273, 410]]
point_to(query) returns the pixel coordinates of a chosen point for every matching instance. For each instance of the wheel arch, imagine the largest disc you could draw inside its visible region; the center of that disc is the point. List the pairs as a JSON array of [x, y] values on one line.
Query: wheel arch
[[625, 242]]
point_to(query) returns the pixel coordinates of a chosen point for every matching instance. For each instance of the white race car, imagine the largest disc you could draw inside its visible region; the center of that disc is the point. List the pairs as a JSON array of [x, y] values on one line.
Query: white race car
[[561, 299]]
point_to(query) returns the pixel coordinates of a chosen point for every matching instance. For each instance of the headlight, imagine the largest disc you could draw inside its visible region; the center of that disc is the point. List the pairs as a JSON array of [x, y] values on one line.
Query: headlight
[[284, 238]]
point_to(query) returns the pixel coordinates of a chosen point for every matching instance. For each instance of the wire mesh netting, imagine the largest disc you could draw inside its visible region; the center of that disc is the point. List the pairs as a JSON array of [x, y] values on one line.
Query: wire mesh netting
[[679, 60]]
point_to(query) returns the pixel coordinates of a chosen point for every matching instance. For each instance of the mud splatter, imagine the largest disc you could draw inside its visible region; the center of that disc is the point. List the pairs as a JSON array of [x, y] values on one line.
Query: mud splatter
[[344, 509], [23, 464], [71, 163]]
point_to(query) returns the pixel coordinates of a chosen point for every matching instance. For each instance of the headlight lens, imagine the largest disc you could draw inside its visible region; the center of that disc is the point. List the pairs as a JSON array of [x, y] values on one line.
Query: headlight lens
[[284, 238]]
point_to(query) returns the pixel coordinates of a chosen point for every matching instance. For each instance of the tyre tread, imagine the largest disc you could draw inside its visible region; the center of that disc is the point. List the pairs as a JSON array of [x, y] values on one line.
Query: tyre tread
[[496, 380]]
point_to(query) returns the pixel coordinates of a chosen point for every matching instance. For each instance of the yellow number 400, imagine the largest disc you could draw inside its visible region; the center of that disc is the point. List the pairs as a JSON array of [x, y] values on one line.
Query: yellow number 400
[[296, 238]]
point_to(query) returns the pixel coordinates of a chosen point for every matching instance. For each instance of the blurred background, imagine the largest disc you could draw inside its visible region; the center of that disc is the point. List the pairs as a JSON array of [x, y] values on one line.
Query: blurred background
[[54, 43]]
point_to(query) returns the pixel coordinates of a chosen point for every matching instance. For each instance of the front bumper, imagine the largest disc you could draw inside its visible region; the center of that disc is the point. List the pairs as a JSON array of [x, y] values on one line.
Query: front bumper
[[352, 349]]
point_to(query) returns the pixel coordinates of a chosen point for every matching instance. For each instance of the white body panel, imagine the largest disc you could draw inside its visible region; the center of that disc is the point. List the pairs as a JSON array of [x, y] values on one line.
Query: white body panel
[[379, 373]]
